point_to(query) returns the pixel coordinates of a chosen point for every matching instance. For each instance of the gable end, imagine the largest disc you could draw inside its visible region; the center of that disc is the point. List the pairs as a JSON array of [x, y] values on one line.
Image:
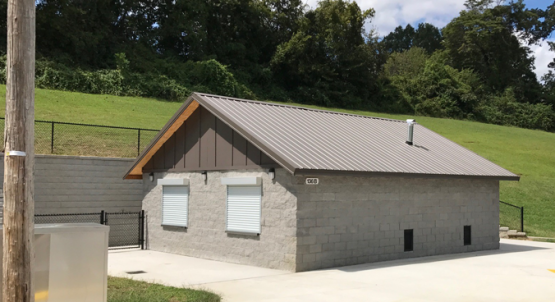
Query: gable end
[[204, 142]]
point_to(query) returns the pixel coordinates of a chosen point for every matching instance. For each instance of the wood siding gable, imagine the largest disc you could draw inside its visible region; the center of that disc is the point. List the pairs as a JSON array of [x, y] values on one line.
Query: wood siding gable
[[204, 142]]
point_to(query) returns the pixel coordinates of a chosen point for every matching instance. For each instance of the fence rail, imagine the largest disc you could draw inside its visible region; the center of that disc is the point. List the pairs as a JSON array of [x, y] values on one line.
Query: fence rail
[[511, 216], [127, 229], [63, 138]]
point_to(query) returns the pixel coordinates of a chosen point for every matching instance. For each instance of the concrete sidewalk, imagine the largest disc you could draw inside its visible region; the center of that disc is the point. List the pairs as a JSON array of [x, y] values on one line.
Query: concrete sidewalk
[[176, 270], [519, 271]]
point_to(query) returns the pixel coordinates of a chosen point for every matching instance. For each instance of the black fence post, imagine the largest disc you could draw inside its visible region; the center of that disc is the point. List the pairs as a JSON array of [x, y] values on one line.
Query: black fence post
[[139, 142], [142, 229], [102, 217], [522, 219], [52, 140]]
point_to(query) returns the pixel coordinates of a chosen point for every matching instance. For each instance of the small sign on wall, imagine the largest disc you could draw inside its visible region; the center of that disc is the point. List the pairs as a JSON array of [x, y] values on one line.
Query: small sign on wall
[[311, 181]]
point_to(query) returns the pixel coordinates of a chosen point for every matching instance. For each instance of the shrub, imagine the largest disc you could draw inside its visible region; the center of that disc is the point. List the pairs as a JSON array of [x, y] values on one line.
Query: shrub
[[204, 76], [505, 110]]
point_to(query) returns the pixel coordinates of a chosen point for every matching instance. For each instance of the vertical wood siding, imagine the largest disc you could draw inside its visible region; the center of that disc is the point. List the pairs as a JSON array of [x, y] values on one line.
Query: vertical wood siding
[[204, 142]]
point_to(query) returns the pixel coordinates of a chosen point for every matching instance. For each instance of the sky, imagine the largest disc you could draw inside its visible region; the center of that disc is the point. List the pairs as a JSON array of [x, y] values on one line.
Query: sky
[[392, 13]]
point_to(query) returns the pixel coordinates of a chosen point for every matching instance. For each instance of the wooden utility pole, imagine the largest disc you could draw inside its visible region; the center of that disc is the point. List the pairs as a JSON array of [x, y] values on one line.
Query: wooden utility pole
[[19, 155]]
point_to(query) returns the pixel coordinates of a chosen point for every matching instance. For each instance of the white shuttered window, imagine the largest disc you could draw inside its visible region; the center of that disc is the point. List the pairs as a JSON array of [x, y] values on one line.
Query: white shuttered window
[[175, 205], [243, 209]]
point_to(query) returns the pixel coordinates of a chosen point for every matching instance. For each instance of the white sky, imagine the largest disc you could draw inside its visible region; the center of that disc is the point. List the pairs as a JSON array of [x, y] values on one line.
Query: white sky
[[392, 13]]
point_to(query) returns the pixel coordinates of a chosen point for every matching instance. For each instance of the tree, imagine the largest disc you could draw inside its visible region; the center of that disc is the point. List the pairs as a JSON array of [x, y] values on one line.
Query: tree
[[409, 64], [78, 31], [431, 87], [548, 80], [481, 40], [400, 39], [181, 29], [426, 36], [327, 61]]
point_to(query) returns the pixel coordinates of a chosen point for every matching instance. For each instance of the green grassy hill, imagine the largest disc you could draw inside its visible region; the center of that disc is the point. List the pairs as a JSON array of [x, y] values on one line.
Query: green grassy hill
[[529, 153]]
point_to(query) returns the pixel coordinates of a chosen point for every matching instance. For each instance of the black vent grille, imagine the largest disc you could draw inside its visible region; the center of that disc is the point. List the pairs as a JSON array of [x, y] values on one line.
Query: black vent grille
[[467, 235], [409, 240]]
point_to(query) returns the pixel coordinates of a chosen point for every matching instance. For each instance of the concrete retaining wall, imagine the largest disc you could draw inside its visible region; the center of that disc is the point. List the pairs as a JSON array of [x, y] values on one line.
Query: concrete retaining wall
[[352, 220], [73, 184], [206, 237]]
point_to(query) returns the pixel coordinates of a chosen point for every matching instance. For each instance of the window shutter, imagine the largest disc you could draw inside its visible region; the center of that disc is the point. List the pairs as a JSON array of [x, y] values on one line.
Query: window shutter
[[243, 209], [175, 205]]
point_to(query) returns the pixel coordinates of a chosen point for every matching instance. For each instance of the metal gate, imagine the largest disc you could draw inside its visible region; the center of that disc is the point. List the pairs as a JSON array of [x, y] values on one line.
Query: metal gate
[[127, 229]]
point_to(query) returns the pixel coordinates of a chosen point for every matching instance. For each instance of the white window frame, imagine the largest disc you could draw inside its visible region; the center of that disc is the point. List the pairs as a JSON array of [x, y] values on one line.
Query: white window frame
[[172, 183]]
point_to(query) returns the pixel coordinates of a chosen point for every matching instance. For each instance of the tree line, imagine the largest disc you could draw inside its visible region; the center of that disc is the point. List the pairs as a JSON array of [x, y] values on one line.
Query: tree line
[[478, 67]]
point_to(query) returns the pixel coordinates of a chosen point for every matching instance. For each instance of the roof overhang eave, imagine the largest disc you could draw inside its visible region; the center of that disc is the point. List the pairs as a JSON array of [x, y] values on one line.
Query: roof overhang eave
[[316, 172], [129, 174]]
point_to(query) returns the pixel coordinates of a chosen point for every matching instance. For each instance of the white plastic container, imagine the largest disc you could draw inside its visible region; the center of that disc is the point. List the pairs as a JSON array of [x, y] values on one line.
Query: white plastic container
[[71, 262]]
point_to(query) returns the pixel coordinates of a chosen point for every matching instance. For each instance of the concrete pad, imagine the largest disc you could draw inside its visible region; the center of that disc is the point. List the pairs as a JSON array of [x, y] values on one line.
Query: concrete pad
[[519, 271], [176, 270]]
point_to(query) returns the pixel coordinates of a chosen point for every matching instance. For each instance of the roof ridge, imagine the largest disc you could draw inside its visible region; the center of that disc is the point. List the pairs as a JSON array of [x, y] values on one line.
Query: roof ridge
[[298, 107]]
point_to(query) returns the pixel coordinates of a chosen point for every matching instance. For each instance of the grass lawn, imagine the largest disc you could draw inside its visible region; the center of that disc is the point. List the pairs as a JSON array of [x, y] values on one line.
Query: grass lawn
[[128, 290], [74, 107], [529, 153]]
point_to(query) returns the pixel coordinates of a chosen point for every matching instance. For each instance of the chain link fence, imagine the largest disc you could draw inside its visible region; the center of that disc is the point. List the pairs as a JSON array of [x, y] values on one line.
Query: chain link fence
[[511, 216], [126, 228], [87, 140], [68, 218]]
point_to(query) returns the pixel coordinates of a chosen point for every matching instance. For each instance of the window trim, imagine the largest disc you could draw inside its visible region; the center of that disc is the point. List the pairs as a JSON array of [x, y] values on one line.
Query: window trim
[[173, 182]]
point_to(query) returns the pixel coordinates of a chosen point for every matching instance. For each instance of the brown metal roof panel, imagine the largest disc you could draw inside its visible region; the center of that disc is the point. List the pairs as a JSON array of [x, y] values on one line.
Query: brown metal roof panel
[[321, 140]]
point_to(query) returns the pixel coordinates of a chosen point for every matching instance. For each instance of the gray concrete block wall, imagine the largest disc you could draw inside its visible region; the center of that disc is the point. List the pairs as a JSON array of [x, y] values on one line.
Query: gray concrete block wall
[[206, 237], [352, 220], [74, 184]]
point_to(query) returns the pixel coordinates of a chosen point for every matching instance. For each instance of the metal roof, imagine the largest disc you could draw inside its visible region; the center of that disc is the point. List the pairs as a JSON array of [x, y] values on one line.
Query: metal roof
[[308, 141]]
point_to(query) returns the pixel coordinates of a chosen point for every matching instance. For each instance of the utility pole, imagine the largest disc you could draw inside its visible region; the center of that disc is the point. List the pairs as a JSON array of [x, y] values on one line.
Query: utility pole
[[19, 154]]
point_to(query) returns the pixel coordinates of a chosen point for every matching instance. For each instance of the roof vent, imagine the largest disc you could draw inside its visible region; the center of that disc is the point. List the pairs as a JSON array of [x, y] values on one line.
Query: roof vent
[[411, 131]]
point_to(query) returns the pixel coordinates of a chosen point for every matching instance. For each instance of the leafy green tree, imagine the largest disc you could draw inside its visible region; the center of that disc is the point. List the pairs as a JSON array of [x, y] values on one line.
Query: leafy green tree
[[399, 39], [408, 64], [431, 87], [480, 40], [181, 29], [426, 36], [327, 61], [548, 80], [77, 31]]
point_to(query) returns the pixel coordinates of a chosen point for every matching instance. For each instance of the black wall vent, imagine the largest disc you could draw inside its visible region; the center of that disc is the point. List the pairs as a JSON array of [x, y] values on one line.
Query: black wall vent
[[409, 241], [467, 235]]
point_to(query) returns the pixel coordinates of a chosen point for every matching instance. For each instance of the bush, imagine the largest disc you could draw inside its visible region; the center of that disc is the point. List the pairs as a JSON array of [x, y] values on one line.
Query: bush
[[204, 76], [505, 110], [432, 87]]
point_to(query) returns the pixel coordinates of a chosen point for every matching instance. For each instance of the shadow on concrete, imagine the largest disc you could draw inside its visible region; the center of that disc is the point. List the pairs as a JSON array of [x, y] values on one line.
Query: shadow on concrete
[[505, 248]]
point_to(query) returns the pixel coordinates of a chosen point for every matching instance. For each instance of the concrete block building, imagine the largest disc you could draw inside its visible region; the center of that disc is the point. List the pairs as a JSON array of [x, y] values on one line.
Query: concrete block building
[[300, 189]]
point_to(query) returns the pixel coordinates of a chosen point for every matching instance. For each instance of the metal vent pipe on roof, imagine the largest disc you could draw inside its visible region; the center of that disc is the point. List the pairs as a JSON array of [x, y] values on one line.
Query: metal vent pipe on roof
[[411, 131]]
